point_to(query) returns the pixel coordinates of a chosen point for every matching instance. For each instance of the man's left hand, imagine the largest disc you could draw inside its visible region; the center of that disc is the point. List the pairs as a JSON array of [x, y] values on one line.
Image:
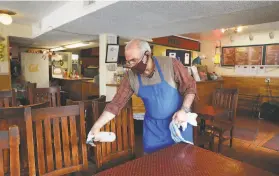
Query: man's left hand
[[180, 116]]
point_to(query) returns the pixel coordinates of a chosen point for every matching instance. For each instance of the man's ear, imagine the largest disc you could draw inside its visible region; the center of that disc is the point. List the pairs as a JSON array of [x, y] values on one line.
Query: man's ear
[[147, 53]]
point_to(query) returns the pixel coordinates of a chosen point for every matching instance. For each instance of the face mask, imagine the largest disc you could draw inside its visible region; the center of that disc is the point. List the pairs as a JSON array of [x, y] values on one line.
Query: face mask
[[141, 66]]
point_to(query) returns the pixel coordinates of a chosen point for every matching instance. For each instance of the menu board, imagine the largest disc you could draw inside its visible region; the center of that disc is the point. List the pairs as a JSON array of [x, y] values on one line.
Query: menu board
[[272, 55], [245, 55]]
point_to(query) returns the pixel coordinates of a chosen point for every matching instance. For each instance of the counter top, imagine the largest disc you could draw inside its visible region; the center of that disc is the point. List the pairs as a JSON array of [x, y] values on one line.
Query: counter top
[[75, 79], [198, 82]]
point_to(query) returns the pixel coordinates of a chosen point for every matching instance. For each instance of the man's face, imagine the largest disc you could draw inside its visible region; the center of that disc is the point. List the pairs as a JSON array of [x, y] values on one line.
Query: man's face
[[134, 56]]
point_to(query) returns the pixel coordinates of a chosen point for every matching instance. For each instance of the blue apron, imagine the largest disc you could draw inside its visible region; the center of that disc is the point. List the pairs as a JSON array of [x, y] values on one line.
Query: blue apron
[[161, 101]]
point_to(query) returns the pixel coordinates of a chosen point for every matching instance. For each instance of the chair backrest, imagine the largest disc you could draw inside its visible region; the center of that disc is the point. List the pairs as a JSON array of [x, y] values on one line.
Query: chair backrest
[[87, 110], [123, 126], [59, 140], [51, 94], [15, 116], [226, 98], [7, 98], [9, 140]]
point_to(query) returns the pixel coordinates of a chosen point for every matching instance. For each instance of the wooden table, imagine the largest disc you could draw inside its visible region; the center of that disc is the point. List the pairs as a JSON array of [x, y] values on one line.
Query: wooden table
[[184, 159]]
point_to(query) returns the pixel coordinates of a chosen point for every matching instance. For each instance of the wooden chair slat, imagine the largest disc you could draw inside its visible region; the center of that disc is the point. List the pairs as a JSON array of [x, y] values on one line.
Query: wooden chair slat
[[30, 141], [108, 144], [74, 145], [48, 145], [119, 133], [40, 146], [113, 144], [57, 143], [14, 142], [83, 135], [124, 128], [65, 141], [1, 163], [131, 130]]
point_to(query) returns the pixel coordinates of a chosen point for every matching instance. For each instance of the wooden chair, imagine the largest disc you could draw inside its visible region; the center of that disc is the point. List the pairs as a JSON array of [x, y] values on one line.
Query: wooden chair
[[58, 150], [9, 140], [15, 116], [89, 121], [51, 94], [123, 126], [202, 138], [8, 98], [224, 98]]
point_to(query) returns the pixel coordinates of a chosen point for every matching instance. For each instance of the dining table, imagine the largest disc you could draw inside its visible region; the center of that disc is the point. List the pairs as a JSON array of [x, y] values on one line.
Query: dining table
[[183, 159]]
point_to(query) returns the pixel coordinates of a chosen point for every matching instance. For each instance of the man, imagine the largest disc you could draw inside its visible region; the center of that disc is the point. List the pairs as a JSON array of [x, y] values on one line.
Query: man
[[166, 89]]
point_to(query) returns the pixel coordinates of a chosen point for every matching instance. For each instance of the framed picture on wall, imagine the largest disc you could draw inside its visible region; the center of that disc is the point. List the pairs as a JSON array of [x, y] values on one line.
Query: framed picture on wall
[[112, 53], [242, 55]]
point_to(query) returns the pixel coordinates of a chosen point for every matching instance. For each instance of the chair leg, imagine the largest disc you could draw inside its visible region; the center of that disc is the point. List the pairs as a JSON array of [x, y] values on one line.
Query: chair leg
[[211, 144], [231, 138], [220, 142]]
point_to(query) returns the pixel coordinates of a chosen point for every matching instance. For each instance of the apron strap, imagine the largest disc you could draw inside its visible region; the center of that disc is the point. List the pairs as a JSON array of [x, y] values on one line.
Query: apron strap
[[159, 70]]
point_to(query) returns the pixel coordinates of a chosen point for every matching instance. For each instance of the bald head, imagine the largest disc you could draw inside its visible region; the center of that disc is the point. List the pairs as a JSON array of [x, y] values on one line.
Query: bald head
[[136, 48]]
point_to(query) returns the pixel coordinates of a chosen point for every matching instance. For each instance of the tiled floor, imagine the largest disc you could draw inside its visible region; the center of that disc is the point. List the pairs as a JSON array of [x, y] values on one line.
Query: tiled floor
[[249, 152]]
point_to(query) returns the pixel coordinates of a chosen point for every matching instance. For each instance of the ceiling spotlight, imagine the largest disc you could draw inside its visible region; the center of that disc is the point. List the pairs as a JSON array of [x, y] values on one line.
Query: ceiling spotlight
[[5, 17], [239, 29]]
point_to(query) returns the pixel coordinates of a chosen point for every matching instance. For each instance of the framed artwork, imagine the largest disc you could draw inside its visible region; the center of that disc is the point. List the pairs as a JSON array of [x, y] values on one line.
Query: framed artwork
[[112, 53], [242, 55], [272, 54]]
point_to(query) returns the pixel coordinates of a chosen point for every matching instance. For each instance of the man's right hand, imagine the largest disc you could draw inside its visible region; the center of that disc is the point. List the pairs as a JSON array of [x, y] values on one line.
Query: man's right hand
[[102, 120], [93, 133]]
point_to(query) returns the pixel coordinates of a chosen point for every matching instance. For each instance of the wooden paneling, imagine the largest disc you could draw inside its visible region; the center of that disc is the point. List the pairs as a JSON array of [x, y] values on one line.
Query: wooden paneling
[[252, 85], [80, 89]]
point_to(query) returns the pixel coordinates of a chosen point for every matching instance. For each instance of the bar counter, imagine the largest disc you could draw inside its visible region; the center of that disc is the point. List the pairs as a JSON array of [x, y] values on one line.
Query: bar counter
[[79, 88]]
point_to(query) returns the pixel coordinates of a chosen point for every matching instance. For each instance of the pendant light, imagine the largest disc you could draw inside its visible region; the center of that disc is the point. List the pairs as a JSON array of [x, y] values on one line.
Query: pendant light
[[5, 17]]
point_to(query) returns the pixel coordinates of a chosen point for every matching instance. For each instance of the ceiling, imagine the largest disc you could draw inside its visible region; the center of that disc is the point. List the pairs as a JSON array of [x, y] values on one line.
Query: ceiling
[[160, 18], [29, 12], [150, 19], [217, 34]]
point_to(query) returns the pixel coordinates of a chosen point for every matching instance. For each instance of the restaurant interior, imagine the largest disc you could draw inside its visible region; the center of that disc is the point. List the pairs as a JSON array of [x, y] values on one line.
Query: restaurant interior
[[61, 62]]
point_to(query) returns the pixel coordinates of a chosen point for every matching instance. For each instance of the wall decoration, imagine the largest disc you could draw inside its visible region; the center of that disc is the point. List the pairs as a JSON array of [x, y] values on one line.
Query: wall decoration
[[2, 50], [112, 53], [183, 56], [242, 55], [272, 54], [33, 68]]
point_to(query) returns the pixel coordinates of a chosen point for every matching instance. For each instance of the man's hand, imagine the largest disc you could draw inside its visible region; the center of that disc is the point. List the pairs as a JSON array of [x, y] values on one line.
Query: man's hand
[[102, 120], [180, 116]]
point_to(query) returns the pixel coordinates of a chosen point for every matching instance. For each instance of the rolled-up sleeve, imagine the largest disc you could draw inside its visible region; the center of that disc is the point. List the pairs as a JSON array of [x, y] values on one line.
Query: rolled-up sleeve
[[121, 97], [186, 83]]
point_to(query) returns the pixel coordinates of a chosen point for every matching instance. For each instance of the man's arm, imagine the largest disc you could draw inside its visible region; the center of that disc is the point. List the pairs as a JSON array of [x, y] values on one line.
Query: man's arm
[[186, 84], [113, 108]]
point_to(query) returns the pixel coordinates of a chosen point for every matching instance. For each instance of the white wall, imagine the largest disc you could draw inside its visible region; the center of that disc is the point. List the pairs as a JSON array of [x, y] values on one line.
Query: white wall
[[39, 76], [208, 48]]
